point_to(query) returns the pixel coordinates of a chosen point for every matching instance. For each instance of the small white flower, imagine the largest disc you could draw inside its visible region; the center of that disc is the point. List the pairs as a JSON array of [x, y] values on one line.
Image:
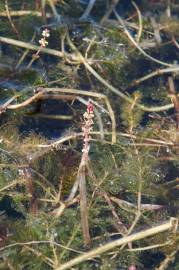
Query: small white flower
[[21, 172], [43, 42], [85, 115], [55, 234], [46, 33]]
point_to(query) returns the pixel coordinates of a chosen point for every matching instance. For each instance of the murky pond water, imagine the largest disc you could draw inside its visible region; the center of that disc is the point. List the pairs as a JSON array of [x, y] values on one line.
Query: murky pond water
[[118, 62]]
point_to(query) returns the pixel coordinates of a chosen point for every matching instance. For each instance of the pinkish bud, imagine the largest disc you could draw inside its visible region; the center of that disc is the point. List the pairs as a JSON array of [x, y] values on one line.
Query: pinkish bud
[[132, 267], [90, 108]]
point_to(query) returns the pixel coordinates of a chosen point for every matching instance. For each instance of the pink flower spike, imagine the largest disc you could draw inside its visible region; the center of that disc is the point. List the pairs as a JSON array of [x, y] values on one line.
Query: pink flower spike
[[90, 108], [86, 128]]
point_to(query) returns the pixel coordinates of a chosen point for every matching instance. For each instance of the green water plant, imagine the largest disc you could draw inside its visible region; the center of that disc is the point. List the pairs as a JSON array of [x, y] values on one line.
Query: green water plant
[[89, 135]]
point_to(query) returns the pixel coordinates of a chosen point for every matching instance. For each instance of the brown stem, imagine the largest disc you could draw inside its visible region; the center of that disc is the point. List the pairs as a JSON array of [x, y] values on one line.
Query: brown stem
[[109, 11], [30, 185], [83, 205], [121, 228], [26, 102], [37, 4], [130, 206], [10, 20], [174, 98]]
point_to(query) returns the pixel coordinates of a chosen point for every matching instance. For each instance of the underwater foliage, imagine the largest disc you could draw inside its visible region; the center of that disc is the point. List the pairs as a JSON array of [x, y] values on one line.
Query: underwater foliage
[[120, 57]]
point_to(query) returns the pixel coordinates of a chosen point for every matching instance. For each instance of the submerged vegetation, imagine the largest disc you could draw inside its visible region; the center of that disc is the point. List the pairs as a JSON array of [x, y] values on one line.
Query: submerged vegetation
[[89, 137]]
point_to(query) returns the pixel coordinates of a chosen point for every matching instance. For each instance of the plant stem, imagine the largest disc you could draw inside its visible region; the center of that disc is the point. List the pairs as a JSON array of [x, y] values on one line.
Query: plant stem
[[134, 237]]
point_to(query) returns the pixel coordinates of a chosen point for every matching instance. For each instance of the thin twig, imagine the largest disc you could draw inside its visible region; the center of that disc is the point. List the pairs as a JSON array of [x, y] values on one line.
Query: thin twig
[[4, 106], [156, 30], [76, 135], [51, 116], [174, 98], [39, 242], [10, 20], [113, 244], [88, 10], [121, 228], [26, 102], [32, 47], [150, 247], [43, 257], [140, 22], [137, 45], [165, 263], [130, 206], [24, 54], [75, 58], [19, 13], [157, 72], [13, 183], [109, 11], [113, 89]]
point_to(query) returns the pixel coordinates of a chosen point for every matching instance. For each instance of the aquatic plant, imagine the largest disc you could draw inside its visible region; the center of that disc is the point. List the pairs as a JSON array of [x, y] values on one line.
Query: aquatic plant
[[89, 135]]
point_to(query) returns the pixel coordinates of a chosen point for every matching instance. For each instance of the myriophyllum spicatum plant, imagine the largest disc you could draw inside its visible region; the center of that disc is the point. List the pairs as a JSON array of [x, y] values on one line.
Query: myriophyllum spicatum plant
[[43, 43], [81, 177], [87, 128]]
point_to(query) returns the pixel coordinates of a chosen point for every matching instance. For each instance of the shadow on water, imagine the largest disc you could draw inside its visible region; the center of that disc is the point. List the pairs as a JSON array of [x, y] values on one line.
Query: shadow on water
[[7, 205], [50, 129]]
